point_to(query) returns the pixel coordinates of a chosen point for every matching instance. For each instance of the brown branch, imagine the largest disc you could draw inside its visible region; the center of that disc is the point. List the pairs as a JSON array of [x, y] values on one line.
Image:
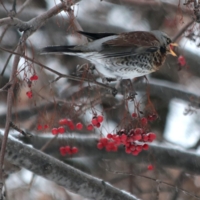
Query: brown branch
[[15, 22], [166, 156], [60, 75], [9, 111], [62, 174], [5, 30], [176, 37], [28, 28], [196, 9], [25, 134]]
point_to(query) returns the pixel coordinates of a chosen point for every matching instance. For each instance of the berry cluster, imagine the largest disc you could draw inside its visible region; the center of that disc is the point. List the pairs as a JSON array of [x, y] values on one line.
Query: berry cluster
[[34, 77], [59, 130], [97, 120], [68, 123], [181, 61], [150, 167], [134, 139], [41, 127], [130, 141], [68, 150], [29, 93]]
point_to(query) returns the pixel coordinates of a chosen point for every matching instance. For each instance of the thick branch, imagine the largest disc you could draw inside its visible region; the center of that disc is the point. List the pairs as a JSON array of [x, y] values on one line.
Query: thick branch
[[34, 24], [161, 155], [64, 175], [14, 22]]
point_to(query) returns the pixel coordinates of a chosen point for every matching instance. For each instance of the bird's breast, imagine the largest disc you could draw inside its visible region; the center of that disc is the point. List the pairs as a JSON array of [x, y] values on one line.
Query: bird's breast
[[158, 60]]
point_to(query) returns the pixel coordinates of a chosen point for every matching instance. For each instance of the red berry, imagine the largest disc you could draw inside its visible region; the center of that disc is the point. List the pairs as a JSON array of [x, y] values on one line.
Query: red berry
[[136, 137], [54, 131], [145, 138], [135, 153], [63, 151], [70, 124], [100, 145], [34, 77], [79, 126], [39, 127], [94, 121], [152, 117], [46, 126], [123, 138], [100, 118], [63, 122], [74, 150], [144, 121], [29, 94], [151, 136], [104, 141], [90, 127], [68, 149], [61, 129], [132, 147], [134, 115], [111, 146], [128, 144], [109, 136], [138, 148], [181, 61], [128, 150], [98, 125], [117, 139], [145, 146], [150, 167], [138, 131]]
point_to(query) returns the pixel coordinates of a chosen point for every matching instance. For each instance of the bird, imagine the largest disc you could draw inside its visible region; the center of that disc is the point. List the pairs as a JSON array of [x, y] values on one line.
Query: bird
[[121, 56]]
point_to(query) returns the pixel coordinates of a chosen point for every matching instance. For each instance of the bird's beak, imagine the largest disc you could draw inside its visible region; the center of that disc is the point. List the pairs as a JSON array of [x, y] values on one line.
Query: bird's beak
[[171, 46]]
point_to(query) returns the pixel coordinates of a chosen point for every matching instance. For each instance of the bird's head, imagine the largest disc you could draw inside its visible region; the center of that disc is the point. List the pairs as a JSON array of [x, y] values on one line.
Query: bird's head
[[165, 42]]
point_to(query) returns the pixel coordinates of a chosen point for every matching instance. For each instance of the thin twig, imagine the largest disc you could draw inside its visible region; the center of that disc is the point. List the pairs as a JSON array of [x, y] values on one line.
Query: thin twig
[[176, 37], [9, 111], [34, 24], [156, 180], [61, 173], [60, 75], [19, 130]]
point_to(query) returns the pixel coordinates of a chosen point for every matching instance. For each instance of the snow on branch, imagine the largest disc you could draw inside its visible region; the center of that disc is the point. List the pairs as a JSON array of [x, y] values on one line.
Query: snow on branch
[[52, 169]]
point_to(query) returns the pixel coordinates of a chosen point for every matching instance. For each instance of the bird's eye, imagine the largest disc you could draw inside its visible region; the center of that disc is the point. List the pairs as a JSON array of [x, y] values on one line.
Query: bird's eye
[[169, 41]]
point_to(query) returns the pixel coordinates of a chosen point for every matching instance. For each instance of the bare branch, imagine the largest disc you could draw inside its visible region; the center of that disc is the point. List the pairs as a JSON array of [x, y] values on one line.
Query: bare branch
[[163, 156], [62, 174], [14, 22]]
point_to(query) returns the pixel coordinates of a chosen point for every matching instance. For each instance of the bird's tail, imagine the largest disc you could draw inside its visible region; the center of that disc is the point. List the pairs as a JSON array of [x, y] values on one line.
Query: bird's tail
[[60, 50]]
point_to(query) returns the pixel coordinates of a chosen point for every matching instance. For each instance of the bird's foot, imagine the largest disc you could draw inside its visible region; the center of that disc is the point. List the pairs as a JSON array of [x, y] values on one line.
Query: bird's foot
[[80, 69], [127, 84], [131, 96], [114, 92]]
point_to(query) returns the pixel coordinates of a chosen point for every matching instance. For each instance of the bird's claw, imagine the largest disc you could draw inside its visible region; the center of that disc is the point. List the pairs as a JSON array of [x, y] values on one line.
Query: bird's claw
[[114, 92]]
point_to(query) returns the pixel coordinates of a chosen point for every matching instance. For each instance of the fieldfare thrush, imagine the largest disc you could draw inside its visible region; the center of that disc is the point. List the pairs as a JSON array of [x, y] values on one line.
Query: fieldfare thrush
[[121, 56]]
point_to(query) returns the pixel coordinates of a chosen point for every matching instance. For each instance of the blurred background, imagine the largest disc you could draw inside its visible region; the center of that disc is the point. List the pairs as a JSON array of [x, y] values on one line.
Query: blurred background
[[172, 93]]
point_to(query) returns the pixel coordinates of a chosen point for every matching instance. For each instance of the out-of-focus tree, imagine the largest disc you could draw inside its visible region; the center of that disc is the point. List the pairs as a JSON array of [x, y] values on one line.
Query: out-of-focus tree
[[60, 106]]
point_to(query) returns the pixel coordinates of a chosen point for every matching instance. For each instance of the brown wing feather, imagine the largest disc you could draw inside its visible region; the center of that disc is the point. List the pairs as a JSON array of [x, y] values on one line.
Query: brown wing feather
[[137, 38]]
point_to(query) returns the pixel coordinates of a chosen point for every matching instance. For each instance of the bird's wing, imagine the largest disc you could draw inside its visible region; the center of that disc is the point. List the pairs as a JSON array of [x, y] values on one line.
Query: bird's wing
[[132, 43], [95, 36], [136, 38]]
